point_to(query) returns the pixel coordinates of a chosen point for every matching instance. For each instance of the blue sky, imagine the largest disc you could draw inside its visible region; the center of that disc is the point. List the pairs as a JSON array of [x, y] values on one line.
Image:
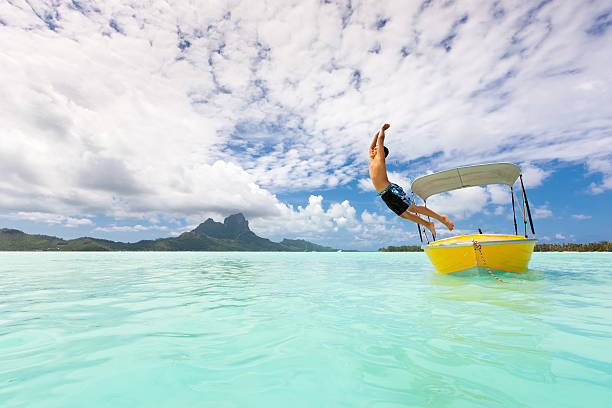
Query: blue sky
[[130, 120]]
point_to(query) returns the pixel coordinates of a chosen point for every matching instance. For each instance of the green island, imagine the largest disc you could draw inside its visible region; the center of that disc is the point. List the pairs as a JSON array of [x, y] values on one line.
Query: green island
[[402, 248], [233, 234], [603, 246]]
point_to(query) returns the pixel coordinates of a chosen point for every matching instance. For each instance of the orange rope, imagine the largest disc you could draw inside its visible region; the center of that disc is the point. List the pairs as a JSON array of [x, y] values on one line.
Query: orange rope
[[522, 209], [519, 203], [479, 248]]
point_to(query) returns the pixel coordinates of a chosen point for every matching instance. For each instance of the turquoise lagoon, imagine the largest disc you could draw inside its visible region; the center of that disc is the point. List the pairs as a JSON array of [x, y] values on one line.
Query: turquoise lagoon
[[301, 330]]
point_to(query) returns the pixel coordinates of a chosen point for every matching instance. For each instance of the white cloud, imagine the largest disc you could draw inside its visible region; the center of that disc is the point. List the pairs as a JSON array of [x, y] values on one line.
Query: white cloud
[[499, 210], [48, 218], [460, 204], [604, 167], [542, 212], [77, 222], [499, 194], [441, 232], [398, 178], [131, 228], [210, 107], [372, 218], [365, 184], [310, 220], [581, 216], [315, 221], [533, 176], [560, 236]]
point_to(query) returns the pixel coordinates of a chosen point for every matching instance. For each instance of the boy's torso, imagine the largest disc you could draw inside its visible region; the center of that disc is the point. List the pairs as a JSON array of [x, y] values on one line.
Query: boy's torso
[[378, 174]]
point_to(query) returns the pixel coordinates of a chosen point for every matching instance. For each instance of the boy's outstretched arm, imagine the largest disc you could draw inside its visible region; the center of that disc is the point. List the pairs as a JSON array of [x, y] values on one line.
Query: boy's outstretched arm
[[373, 145], [381, 139]]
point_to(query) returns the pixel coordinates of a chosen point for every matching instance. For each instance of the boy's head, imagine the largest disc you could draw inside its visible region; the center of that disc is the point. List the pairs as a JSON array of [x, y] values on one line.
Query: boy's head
[[374, 150]]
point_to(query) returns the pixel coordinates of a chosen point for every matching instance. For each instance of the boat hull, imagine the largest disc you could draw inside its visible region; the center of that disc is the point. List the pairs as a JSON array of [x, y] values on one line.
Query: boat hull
[[510, 253]]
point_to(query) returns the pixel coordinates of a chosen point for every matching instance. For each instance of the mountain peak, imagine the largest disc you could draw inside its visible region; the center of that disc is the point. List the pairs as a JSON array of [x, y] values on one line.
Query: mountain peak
[[231, 235], [11, 231], [232, 226], [236, 223]]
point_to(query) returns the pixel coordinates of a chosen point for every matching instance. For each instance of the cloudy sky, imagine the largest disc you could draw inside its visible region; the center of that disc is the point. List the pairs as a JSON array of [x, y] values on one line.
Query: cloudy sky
[[128, 120]]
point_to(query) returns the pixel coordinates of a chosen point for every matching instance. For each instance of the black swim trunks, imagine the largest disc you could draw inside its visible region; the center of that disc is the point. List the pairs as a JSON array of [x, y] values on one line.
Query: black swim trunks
[[395, 198]]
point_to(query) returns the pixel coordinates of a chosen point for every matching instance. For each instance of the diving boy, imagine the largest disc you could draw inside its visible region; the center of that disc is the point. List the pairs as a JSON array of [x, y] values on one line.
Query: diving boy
[[392, 194]]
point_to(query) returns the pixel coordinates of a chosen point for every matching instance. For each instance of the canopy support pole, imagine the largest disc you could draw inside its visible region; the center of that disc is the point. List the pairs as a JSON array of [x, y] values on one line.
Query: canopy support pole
[[513, 211], [429, 219], [523, 197], [418, 226], [527, 203]]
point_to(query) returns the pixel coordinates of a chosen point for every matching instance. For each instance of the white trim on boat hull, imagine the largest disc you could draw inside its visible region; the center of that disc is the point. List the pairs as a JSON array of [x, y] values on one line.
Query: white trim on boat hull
[[483, 243]]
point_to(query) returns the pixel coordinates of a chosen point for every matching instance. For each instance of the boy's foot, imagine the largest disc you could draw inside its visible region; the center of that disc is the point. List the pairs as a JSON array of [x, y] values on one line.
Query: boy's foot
[[432, 228], [449, 224]]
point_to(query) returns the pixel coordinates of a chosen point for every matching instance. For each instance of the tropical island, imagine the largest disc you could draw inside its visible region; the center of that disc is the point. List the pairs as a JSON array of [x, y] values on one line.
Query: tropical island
[[233, 234], [603, 246], [401, 248]]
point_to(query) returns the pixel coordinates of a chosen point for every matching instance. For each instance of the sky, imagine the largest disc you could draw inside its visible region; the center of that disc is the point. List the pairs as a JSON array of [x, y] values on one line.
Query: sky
[[130, 120]]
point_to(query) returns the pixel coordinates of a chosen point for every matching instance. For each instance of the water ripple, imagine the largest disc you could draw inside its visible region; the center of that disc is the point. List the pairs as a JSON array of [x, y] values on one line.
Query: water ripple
[[258, 329]]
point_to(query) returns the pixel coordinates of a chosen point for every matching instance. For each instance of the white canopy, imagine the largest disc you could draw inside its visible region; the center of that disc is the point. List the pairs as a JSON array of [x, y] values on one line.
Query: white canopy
[[461, 177]]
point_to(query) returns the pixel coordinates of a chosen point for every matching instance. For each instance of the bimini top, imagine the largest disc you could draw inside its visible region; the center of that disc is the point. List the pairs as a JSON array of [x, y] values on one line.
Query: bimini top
[[461, 177]]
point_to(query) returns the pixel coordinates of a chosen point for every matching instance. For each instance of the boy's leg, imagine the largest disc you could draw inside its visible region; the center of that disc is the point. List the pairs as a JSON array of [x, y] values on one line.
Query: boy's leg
[[426, 211], [415, 218]]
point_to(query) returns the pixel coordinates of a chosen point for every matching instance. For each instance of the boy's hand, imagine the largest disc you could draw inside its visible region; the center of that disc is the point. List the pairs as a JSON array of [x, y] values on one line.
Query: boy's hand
[[384, 127]]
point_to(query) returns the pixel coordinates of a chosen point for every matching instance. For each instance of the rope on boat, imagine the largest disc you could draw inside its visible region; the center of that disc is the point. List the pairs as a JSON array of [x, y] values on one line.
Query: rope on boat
[[479, 248], [424, 232]]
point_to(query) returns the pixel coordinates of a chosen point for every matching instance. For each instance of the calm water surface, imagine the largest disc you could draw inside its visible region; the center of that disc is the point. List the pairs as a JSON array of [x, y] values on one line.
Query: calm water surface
[[301, 330]]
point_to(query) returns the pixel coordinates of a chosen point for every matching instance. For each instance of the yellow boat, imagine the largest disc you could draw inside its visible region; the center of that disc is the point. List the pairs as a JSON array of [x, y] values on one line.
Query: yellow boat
[[508, 253]]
